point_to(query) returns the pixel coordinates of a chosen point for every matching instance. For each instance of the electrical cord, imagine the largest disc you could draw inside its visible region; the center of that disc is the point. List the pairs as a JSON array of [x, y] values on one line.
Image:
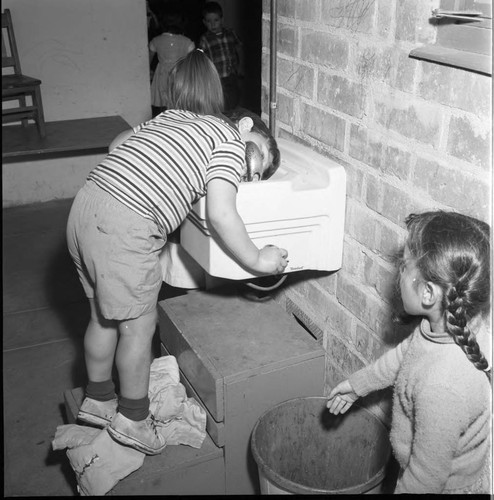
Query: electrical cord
[[267, 288]]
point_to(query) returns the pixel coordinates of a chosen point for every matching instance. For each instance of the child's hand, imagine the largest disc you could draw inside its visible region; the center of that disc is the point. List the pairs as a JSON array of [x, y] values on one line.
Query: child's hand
[[272, 260], [341, 398]]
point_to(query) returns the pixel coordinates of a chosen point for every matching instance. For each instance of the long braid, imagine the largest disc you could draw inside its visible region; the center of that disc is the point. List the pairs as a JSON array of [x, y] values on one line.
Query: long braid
[[453, 251], [456, 323]]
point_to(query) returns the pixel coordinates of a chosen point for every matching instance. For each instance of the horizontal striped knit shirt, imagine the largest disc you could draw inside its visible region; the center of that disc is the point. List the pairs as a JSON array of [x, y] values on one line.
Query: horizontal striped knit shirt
[[163, 168]]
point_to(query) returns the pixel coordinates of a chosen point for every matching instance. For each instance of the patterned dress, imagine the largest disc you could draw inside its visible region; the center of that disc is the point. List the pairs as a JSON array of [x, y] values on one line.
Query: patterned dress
[[170, 48]]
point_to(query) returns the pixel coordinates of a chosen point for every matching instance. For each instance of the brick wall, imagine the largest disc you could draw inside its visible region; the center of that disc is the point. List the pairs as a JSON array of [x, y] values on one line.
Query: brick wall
[[412, 135]]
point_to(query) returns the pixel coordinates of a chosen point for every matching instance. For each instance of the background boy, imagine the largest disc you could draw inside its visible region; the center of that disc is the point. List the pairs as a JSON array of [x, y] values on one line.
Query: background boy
[[224, 48]]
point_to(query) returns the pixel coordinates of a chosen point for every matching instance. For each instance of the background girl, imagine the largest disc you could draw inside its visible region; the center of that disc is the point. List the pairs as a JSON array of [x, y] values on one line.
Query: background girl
[[170, 46]]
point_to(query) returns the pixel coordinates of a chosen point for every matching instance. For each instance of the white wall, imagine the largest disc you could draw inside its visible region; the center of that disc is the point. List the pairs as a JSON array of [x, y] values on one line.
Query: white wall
[[92, 58]]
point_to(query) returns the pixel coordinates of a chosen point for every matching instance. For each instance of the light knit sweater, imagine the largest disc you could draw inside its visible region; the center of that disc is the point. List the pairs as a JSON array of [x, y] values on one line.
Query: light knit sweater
[[441, 419]]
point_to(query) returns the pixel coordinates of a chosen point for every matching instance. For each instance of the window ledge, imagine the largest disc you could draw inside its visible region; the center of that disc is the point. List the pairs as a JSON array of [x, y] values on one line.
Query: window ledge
[[480, 63]]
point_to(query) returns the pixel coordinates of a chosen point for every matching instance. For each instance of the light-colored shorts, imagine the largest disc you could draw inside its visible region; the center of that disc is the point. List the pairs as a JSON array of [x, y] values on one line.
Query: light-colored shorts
[[116, 252]]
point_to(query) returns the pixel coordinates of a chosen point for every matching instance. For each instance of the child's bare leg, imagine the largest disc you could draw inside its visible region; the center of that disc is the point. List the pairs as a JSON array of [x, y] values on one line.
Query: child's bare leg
[[133, 357], [133, 425], [100, 343]]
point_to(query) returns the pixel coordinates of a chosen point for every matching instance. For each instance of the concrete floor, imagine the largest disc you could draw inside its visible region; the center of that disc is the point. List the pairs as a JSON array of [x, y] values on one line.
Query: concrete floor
[[45, 314]]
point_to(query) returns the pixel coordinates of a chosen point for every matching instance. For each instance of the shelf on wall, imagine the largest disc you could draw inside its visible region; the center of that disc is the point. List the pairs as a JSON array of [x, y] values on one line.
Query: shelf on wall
[[63, 138]]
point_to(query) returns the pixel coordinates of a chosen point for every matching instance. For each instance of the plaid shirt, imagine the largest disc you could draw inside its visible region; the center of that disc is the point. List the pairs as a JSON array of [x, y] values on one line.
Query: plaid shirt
[[222, 50]]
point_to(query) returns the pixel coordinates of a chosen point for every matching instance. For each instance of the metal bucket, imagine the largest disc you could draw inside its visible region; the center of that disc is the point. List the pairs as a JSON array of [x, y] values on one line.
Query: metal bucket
[[301, 448]]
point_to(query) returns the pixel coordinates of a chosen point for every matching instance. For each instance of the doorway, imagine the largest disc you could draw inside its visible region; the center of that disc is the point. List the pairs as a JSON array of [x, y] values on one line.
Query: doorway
[[245, 18]]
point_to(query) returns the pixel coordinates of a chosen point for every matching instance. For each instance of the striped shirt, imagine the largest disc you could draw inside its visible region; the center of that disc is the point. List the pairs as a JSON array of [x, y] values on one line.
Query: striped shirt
[[163, 168], [222, 50]]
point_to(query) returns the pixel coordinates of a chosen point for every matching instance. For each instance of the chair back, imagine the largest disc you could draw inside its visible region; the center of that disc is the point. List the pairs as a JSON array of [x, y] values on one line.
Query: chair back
[[10, 56]]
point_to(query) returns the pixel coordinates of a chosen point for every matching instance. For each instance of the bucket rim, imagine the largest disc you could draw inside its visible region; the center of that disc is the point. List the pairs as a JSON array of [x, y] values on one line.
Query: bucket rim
[[287, 484]]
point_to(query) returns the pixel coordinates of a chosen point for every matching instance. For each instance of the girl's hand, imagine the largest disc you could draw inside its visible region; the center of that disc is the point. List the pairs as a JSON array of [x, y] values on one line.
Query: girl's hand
[[272, 260], [341, 398]]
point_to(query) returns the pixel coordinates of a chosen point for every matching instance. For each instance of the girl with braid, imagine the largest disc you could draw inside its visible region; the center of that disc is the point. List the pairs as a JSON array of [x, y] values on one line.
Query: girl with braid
[[440, 431]]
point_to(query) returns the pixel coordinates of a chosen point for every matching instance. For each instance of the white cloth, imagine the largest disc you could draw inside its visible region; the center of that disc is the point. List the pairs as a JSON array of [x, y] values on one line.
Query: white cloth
[[179, 268], [180, 420], [99, 462]]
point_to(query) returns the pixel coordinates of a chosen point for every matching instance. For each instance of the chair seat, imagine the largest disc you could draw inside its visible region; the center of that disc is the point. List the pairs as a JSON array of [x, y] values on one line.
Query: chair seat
[[14, 81]]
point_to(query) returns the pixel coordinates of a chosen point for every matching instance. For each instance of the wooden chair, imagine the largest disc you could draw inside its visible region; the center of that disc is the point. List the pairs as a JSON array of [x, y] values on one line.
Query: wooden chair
[[16, 86]]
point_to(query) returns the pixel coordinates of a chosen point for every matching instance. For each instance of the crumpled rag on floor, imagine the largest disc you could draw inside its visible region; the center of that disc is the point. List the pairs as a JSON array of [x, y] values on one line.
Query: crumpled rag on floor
[[99, 462]]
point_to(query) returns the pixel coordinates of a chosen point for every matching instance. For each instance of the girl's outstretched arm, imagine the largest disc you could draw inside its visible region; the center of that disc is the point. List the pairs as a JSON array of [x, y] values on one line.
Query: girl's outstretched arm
[[341, 398]]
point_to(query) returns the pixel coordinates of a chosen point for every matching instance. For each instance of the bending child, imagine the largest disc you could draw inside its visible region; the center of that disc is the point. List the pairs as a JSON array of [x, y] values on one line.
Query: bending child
[[118, 226], [441, 416]]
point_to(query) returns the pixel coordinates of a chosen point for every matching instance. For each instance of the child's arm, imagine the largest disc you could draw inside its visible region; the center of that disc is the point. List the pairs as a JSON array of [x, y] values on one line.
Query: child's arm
[[222, 214], [341, 398], [379, 375]]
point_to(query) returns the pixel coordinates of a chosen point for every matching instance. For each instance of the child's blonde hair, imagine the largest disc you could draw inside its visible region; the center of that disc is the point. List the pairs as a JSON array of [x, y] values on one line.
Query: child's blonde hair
[[194, 85]]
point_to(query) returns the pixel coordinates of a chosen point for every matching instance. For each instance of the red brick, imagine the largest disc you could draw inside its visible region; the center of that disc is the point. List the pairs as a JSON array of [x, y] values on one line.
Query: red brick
[[307, 10], [390, 241], [373, 192], [341, 94], [456, 188], [285, 8], [365, 146], [323, 126], [361, 224], [380, 276], [436, 82], [397, 203], [472, 92], [326, 281], [287, 40], [325, 49], [384, 20], [341, 356], [339, 319], [418, 121], [470, 141], [406, 68], [295, 77], [354, 182], [333, 375], [369, 346], [361, 302], [354, 16], [373, 62], [353, 258], [317, 298], [396, 162], [285, 109]]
